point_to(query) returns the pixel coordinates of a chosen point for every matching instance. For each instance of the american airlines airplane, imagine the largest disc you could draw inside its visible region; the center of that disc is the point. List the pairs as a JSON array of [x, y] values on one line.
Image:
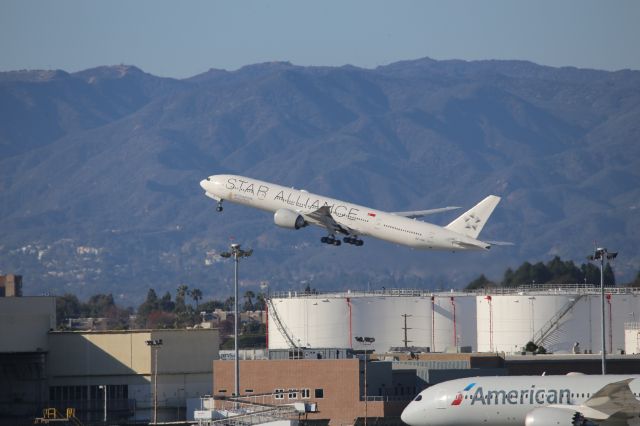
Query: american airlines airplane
[[574, 399], [295, 209]]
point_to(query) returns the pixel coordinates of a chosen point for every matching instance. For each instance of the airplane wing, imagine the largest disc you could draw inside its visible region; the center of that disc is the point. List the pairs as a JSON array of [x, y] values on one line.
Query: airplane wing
[[500, 243], [421, 213], [322, 217]]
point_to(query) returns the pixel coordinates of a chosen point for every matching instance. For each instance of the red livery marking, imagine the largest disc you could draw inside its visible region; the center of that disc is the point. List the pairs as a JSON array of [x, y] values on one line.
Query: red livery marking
[[372, 214], [458, 399]]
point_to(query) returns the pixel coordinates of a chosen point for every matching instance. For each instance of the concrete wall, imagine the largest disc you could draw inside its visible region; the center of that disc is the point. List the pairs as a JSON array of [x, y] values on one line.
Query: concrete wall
[[25, 322], [123, 358]]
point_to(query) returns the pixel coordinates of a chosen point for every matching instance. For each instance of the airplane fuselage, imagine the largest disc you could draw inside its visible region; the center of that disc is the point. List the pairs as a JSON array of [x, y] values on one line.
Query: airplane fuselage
[[387, 226], [507, 400]]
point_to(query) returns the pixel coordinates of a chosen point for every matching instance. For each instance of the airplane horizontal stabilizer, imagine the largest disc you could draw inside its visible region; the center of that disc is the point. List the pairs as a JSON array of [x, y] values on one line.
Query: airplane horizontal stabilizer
[[615, 399], [471, 222], [421, 213]]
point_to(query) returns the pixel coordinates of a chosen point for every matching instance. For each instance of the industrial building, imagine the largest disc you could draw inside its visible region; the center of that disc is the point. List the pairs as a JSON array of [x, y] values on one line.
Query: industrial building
[[41, 368], [496, 320], [333, 385]]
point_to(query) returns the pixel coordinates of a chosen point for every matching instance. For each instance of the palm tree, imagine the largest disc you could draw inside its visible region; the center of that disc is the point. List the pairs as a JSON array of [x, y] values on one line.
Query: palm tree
[[249, 295], [196, 295]]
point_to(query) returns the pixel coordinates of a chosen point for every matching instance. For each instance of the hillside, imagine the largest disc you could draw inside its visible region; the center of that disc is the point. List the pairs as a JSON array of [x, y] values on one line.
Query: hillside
[[99, 170]]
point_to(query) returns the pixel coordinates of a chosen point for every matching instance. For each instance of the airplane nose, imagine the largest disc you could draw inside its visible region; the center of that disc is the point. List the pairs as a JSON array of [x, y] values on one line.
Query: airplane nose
[[410, 415], [203, 184]]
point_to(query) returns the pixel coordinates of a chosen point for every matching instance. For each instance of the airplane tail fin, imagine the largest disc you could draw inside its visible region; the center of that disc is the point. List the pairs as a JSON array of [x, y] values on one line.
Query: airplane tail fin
[[471, 222]]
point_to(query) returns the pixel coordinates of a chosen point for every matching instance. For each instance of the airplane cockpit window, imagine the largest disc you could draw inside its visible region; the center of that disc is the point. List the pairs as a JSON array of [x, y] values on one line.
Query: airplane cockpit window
[[418, 398]]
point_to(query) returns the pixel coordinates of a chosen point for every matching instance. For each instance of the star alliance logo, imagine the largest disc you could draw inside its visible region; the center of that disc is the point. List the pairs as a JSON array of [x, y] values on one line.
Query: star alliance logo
[[472, 221]]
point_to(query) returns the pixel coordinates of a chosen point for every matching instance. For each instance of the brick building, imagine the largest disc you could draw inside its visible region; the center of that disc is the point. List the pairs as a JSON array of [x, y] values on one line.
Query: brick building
[[336, 386]]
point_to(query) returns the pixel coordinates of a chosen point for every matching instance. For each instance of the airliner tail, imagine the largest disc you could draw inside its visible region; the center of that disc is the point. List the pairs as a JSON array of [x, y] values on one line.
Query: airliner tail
[[471, 222]]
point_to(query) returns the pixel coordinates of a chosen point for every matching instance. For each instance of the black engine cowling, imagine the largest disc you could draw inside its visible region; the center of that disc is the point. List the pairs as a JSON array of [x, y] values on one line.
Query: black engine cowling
[[548, 416], [289, 219]]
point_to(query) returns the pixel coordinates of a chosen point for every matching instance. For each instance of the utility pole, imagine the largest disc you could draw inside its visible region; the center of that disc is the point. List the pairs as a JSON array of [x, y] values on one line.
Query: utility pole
[[405, 328]]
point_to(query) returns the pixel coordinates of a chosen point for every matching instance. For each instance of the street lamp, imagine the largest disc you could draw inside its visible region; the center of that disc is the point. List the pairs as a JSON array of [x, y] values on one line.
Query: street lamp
[[155, 345], [236, 252], [104, 390], [601, 254], [366, 341]]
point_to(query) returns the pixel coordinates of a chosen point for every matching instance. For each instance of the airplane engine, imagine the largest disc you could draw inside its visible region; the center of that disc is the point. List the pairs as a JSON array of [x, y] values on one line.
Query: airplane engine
[[288, 219], [549, 416]]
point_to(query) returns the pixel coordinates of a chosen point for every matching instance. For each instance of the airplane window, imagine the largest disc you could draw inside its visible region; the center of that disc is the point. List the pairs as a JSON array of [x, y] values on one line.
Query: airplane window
[[418, 398]]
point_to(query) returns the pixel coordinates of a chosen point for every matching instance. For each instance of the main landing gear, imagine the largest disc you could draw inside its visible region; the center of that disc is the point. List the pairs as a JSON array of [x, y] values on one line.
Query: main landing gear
[[219, 206], [353, 240], [330, 240]]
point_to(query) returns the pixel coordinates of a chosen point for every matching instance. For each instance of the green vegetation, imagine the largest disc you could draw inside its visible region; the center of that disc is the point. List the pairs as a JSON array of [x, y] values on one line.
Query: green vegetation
[[555, 271], [164, 312]]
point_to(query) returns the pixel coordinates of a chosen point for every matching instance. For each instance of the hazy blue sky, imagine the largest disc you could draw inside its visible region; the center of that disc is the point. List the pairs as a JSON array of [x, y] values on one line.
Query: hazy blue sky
[[184, 38]]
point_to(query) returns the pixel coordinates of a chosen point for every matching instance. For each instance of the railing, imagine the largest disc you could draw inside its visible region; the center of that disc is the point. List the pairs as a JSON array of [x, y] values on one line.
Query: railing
[[577, 288], [279, 325], [544, 332], [240, 412]]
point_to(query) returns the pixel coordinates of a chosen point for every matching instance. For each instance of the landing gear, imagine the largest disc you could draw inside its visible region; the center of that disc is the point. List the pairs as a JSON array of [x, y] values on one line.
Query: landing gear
[[219, 206], [353, 240], [330, 240]]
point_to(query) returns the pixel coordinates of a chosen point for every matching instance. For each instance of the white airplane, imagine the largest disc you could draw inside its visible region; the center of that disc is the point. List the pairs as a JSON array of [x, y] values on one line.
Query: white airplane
[[295, 209], [574, 399]]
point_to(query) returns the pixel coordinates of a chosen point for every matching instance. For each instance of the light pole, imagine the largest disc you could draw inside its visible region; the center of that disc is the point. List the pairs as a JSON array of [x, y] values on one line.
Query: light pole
[[236, 252], [366, 341], [155, 345], [104, 390], [601, 254]]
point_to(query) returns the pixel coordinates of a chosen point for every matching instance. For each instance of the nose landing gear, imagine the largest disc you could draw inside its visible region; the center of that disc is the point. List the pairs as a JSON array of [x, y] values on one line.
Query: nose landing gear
[[219, 206]]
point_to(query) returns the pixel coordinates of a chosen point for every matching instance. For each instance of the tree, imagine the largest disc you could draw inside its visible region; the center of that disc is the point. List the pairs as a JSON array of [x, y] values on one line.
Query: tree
[[261, 302], [480, 282], [211, 305], [248, 304], [67, 306], [636, 282], [151, 304], [166, 304], [98, 305], [196, 295], [590, 273], [181, 293], [229, 304]]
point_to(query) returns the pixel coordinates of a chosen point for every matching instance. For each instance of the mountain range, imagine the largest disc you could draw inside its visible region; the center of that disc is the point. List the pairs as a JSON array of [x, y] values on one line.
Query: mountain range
[[99, 171]]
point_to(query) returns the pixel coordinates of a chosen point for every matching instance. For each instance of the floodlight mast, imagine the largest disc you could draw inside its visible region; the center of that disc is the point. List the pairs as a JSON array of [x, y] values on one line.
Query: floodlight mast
[[601, 254], [155, 345], [366, 341], [236, 252]]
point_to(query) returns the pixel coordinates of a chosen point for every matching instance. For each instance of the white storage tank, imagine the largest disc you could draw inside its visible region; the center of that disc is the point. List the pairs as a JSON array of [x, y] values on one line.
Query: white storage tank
[[632, 338], [435, 321], [556, 319]]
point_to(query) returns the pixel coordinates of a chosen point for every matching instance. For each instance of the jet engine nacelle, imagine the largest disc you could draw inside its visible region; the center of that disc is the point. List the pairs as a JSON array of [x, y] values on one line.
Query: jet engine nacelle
[[548, 416], [289, 219]]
